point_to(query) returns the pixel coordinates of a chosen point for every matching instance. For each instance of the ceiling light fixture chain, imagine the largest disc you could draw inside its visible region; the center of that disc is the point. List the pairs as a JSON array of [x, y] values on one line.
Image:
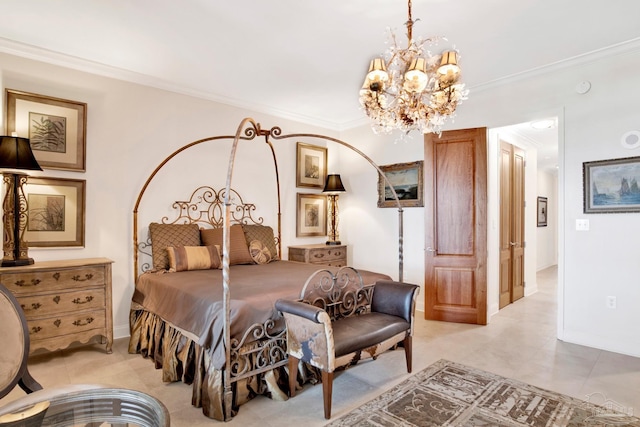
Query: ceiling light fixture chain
[[412, 89]]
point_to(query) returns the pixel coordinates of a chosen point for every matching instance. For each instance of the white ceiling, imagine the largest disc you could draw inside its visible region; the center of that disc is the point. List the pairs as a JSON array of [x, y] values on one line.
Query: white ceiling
[[303, 59]]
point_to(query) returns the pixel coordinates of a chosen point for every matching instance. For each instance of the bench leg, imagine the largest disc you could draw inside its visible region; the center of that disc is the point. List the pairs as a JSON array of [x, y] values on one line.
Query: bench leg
[[293, 375], [327, 388], [407, 351]]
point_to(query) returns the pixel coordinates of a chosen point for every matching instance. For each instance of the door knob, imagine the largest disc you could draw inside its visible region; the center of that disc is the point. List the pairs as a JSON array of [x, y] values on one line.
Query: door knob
[[513, 243]]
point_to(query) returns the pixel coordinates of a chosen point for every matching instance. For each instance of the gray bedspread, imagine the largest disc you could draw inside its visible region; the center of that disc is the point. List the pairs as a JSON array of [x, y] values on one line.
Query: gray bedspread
[[192, 300]]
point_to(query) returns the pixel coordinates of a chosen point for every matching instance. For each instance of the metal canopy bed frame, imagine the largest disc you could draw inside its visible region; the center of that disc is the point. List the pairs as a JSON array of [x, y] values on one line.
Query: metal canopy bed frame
[[240, 363]]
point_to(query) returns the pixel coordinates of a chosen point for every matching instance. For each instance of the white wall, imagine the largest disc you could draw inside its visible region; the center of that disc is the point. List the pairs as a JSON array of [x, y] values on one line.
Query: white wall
[[547, 237]]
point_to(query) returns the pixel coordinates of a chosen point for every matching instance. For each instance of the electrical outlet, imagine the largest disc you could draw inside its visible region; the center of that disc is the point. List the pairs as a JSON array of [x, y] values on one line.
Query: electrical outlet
[[611, 302]]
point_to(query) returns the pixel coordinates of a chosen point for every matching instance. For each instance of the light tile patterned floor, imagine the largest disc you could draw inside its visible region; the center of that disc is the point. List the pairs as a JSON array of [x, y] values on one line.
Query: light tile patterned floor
[[520, 343]]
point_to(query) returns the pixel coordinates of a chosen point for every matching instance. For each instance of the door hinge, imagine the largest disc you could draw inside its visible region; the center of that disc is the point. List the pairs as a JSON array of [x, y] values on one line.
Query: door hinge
[[524, 245]]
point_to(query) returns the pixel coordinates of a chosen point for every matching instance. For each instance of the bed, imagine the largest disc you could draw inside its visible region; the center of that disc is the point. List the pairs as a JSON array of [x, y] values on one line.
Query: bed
[[206, 281]]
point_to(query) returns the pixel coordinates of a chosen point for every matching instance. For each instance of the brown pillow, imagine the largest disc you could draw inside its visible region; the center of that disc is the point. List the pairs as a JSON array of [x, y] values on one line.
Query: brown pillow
[[259, 252], [238, 248], [165, 235], [263, 233], [185, 258]]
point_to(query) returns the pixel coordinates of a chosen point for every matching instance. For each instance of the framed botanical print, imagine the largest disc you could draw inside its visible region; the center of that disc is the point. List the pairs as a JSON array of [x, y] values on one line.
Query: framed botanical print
[[311, 165], [55, 127], [55, 212], [311, 218]]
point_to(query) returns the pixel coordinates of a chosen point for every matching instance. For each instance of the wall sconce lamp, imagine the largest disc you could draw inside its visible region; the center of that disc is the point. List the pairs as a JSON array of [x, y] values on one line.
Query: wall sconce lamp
[[332, 187], [15, 154]]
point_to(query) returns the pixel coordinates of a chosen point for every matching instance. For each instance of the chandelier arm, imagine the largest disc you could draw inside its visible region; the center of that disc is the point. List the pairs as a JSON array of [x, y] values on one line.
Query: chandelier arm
[[410, 24]]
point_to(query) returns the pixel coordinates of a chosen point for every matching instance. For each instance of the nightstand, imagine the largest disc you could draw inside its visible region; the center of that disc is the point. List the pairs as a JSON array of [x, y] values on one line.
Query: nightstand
[[332, 255], [64, 301]]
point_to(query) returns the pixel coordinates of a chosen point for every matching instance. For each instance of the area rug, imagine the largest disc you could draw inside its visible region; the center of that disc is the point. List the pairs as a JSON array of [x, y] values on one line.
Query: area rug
[[451, 394]]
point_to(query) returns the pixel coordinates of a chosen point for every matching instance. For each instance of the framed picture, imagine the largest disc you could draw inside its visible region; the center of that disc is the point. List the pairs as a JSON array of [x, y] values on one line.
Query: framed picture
[[55, 127], [311, 218], [311, 165], [611, 186], [407, 180], [542, 211], [55, 212]]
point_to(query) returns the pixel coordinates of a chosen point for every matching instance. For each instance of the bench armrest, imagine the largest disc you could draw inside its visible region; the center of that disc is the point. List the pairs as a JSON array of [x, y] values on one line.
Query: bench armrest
[[301, 309], [394, 298], [309, 333]]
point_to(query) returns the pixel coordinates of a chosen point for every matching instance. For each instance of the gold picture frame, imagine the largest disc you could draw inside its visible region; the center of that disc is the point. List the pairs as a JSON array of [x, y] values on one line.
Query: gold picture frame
[[55, 209], [55, 127], [311, 165], [311, 217], [408, 181]]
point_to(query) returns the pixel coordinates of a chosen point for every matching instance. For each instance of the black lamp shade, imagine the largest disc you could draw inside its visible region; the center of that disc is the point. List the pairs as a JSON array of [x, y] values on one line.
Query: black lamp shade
[[15, 153], [333, 184]]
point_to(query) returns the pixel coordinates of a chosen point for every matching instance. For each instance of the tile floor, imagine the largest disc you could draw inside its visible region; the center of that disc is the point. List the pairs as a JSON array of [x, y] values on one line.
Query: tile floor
[[520, 343]]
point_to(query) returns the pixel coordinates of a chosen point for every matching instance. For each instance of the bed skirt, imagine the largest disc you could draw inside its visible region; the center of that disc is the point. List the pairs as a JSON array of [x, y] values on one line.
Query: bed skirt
[[182, 359]]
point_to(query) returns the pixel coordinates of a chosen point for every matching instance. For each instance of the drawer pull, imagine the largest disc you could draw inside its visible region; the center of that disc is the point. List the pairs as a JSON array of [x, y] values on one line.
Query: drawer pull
[[58, 322], [86, 300], [22, 283], [338, 253], [34, 306], [320, 255], [36, 329], [77, 278], [56, 299], [56, 276], [79, 322]]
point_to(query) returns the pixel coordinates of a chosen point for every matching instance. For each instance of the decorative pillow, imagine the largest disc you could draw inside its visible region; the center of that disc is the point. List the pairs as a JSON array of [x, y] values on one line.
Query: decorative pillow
[[259, 252], [263, 233], [165, 235], [184, 258], [238, 248]]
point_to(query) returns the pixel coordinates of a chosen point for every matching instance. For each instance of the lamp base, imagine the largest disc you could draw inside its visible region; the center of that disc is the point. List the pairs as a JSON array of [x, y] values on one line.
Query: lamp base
[[333, 242], [16, 262]]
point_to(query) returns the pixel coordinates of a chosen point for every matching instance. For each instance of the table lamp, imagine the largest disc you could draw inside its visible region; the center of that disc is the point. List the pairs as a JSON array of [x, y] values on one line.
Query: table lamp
[[15, 155], [333, 187]]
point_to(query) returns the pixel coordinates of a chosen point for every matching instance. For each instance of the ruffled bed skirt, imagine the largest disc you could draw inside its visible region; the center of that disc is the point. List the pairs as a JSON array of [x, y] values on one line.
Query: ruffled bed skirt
[[181, 359]]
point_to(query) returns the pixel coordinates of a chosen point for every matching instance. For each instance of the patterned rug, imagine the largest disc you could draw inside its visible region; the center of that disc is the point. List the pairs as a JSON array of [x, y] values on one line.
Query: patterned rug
[[450, 394]]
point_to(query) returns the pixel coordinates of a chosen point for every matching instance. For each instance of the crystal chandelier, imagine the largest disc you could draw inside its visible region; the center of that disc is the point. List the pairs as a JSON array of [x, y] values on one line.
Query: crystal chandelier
[[412, 89]]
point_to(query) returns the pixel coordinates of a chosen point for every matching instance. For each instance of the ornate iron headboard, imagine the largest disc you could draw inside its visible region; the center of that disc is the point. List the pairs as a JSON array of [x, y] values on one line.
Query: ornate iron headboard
[[206, 208]]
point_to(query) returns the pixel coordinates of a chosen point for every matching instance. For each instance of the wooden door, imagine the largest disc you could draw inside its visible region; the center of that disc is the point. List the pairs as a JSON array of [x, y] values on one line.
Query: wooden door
[[455, 193], [512, 164]]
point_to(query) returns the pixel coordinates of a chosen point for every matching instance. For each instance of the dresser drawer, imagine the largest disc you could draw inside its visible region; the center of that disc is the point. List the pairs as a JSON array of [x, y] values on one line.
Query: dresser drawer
[[62, 302], [68, 324], [324, 255], [54, 279]]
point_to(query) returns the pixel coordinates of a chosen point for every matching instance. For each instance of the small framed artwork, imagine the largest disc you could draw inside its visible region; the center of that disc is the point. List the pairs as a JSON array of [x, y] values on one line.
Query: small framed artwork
[[611, 186], [55, 209], [55, 127], [407, 181], [311, 165], [542, 212], [311, 218]]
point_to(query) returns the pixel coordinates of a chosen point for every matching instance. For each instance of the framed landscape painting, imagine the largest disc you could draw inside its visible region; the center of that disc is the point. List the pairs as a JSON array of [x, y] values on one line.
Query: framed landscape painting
[[55, 127], [611, 186], [407, 181], [55, 212]]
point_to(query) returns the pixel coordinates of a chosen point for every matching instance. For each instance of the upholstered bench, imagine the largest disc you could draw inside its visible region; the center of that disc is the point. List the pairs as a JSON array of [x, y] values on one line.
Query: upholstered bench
[[348, 324]]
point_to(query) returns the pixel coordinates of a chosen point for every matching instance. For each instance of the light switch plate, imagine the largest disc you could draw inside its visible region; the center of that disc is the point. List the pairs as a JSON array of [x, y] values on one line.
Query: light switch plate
[[582, 224]]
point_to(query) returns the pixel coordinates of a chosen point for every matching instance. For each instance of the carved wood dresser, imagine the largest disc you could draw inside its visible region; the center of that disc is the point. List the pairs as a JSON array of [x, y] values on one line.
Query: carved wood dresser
[[332, 255], [64, 301]]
